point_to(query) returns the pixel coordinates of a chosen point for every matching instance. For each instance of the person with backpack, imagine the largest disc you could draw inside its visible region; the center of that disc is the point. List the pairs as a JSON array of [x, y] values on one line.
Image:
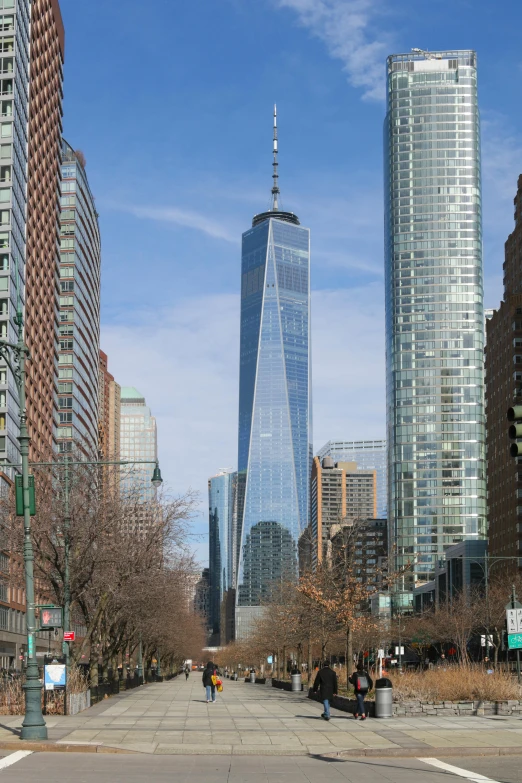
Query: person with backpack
[[362, 683], [326, 684]]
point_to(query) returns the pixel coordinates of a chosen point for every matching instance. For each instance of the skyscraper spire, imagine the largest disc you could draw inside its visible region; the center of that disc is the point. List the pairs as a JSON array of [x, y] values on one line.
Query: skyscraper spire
[[275, 175]]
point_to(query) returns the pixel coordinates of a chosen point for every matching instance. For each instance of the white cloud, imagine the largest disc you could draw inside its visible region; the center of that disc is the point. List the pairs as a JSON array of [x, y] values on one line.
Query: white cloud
[[343, 25], [184, 218], [185, 360], [348, 364], [501, 167]]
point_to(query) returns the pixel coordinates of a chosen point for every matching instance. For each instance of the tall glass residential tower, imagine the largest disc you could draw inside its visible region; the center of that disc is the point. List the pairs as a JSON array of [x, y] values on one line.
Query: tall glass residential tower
[[274, 450], [221, 500], [79, 354], [434, 307]]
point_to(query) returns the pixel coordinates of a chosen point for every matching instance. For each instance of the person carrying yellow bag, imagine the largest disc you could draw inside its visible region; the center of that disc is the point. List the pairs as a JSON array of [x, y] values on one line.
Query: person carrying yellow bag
[[209, 681]]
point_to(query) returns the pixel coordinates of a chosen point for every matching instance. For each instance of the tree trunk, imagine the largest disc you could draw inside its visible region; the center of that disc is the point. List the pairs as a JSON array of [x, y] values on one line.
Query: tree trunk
[[93, 671], [310, 659], [284, 663], [349, 653]]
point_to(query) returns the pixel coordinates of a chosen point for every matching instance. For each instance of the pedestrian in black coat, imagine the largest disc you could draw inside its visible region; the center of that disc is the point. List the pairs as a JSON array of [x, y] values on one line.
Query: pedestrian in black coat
[[208, 674], [326, 684]]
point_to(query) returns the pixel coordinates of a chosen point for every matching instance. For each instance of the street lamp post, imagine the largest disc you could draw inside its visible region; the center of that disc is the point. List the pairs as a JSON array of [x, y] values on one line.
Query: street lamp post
[[15, 356], [66, 575]]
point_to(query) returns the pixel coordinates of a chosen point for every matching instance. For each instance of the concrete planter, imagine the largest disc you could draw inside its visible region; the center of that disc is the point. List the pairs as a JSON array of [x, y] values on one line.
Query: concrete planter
[[408, 709], [345, 703], [283, 685]]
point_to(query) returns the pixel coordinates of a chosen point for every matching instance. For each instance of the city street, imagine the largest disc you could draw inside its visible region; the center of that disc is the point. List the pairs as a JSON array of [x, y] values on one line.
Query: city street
[[173, 718], [95, 768]]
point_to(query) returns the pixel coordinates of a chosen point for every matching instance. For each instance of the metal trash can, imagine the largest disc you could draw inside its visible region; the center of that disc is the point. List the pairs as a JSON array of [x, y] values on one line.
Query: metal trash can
[[252, 676], [383, 698], [296, 682]]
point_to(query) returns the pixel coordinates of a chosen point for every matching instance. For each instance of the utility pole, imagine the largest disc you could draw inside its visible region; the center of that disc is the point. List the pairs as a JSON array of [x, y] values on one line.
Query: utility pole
[[514, 605], [67, 584], [15, 356]]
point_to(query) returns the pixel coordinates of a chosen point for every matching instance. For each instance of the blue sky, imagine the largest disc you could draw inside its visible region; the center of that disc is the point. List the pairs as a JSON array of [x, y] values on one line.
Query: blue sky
[[171, 103]]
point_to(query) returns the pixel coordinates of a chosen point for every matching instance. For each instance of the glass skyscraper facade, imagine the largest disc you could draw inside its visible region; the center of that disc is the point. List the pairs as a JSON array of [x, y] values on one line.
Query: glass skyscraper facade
[[138, 441], [274, 454], [434, 307], [14, 113], [80, 258], [369, 455], [221, 499]]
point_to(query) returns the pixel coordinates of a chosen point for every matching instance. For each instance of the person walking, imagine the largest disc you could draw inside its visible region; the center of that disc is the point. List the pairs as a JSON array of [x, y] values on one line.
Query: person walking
[[187, 672], [362, 683], [326, 684], [209, 674]]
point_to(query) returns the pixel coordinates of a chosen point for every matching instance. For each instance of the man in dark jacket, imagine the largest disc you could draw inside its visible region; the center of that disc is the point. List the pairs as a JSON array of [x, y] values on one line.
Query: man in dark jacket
[[326, 684], [362, 683]]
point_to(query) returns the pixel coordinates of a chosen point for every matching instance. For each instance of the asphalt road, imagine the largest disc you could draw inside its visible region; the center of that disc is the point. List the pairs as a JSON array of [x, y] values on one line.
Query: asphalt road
[[141, 768]]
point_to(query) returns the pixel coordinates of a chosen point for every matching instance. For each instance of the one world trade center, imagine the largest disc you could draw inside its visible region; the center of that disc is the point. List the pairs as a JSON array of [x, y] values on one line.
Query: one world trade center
[[274, 448]]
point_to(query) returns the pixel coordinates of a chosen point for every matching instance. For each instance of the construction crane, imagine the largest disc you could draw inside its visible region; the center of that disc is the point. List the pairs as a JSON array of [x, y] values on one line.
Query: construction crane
[[428, 55]]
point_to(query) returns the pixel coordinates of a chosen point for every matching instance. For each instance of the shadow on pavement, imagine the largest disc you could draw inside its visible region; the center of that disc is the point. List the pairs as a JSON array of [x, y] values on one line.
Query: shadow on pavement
[[11, 729]]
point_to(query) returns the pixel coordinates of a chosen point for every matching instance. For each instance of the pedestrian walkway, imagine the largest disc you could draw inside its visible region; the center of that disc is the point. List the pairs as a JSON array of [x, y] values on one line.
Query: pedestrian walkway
[[174, 718]]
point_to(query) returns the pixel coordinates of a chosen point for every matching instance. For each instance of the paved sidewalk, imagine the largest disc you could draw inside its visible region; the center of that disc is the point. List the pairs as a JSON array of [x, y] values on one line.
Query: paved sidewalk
[[174, 718]]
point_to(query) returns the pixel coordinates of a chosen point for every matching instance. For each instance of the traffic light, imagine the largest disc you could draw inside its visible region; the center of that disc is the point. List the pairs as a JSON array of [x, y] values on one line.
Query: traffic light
[[514, 415]]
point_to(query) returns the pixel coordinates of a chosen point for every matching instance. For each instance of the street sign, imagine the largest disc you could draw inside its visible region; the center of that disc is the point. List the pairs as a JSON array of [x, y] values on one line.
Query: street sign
[[55, 676], [399, 651], [489, 641], [68, 636], [514, 621], [515, 641]]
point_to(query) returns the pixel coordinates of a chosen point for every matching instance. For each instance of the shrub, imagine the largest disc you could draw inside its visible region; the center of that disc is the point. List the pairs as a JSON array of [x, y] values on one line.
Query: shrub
[[455, 683]]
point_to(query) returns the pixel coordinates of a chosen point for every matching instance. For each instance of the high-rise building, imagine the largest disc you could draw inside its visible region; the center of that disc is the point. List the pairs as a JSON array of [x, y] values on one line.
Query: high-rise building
[[274, 454], [109, 406], [221, 499], [14, 50], [363, 545], [369, 455], [138, 442], [503, 389], [339, 493], [202, 598], [434, 308], [31, 58], [44, 124], [79, 317]]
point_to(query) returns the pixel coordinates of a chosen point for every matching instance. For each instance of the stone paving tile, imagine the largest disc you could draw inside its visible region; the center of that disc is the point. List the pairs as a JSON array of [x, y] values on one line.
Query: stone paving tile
[[173, 716]]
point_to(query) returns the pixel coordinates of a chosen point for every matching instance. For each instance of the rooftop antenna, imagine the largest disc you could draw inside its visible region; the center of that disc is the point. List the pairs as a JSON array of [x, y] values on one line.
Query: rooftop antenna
[[275, 175]]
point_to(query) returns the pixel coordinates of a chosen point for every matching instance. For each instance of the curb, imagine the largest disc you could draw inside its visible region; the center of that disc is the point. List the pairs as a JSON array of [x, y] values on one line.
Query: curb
[[261, 750], [421, 752], [53, 747]]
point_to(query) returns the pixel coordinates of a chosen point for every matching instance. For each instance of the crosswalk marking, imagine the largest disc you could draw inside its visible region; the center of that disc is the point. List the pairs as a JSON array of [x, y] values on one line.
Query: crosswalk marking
[[18, 755], [463, 773]]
